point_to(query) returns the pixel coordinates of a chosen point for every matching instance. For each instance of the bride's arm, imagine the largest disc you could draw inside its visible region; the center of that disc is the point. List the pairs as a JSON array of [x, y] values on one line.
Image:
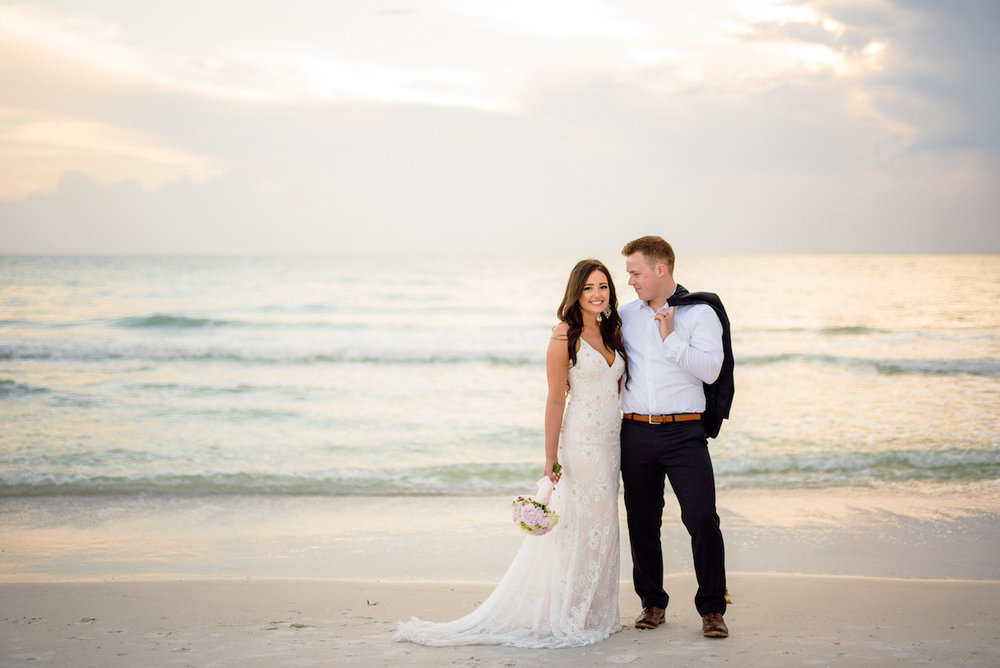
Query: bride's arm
[[557, 374]]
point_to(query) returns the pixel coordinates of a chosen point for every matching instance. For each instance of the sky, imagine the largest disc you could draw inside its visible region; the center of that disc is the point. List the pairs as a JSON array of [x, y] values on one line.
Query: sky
[[486, 126]]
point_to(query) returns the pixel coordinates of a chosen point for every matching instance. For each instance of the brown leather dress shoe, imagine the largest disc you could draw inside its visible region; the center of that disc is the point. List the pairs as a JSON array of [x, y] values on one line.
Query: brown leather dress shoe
[[650, 618], [713, 626]]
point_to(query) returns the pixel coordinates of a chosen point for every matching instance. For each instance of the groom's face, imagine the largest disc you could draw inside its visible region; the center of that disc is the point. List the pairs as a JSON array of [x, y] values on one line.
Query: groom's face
[[643, 278]]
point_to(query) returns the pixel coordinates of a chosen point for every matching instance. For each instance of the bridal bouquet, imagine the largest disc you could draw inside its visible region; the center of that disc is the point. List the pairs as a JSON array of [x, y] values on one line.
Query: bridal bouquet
[[532, 514]]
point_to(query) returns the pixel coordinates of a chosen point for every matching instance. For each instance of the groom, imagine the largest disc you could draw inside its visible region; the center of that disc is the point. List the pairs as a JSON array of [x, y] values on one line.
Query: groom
[[672, 352]]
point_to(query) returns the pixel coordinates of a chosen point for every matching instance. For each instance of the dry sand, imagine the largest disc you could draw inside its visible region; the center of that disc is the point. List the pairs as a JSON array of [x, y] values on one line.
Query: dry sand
[[776, 620]]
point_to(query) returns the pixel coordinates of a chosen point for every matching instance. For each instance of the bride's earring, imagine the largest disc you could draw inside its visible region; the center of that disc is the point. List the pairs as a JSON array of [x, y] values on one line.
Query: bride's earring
[[607, 311]]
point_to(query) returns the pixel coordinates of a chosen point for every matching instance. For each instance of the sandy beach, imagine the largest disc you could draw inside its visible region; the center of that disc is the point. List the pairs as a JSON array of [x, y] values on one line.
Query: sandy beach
[[779, 620], [817, 577]]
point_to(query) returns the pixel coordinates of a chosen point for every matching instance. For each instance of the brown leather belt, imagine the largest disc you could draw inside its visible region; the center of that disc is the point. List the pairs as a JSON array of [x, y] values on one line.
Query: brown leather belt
[[663, 419]]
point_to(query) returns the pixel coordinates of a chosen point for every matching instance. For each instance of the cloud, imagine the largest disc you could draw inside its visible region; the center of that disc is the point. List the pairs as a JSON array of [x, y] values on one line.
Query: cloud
[[753, 126], [386, 178], [556, 19], [79, 52], [937, 69], [35, 151], [295, 75]]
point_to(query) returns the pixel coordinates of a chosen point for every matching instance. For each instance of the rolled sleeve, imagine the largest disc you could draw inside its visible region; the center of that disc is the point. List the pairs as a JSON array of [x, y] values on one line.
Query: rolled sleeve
[[697, 346]]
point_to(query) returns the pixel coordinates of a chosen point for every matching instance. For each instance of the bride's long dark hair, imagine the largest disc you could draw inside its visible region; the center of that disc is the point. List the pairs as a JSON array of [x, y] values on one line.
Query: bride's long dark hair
[[569, 311]]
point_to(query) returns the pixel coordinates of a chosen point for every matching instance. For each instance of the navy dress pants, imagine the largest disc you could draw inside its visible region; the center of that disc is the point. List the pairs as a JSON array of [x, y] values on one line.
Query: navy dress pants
[[678, 452]]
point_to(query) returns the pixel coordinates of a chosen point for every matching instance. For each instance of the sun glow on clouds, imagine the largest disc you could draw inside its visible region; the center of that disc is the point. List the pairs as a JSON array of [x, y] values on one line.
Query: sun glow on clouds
[[97, 53], [509, 50], [298, 76], [35, 152], [554, 19], [88, 55], [553, 46], [270, 74], [783, 48], [755, 48]]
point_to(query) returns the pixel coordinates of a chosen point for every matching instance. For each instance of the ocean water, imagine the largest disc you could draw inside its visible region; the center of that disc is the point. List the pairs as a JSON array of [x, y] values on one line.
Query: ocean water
[[191, 376]]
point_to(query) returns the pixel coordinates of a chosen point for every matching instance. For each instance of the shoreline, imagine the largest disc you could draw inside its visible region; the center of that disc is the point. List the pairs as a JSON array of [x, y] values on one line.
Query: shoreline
[[913, 533]]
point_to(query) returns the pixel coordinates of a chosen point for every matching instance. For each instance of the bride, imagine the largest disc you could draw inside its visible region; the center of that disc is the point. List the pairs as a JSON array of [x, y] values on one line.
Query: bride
[[561, 590]]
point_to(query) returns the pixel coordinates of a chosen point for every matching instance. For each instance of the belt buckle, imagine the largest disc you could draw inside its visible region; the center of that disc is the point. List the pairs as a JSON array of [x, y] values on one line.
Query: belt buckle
[[650, 418]]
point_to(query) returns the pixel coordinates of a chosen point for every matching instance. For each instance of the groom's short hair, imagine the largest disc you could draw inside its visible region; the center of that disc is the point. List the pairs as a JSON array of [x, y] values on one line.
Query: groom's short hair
[[654, 249]]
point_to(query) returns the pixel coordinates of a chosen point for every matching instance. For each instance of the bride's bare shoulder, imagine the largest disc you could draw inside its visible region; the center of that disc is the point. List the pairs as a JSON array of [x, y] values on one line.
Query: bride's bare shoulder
[[560, 332]]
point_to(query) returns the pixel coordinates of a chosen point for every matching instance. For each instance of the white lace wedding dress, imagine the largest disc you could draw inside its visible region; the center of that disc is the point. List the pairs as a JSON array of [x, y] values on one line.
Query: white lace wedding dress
[[561, 590]]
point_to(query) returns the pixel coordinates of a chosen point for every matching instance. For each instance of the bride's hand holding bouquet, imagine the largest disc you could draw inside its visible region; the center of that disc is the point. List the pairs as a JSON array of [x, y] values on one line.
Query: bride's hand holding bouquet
[[532, 513]]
